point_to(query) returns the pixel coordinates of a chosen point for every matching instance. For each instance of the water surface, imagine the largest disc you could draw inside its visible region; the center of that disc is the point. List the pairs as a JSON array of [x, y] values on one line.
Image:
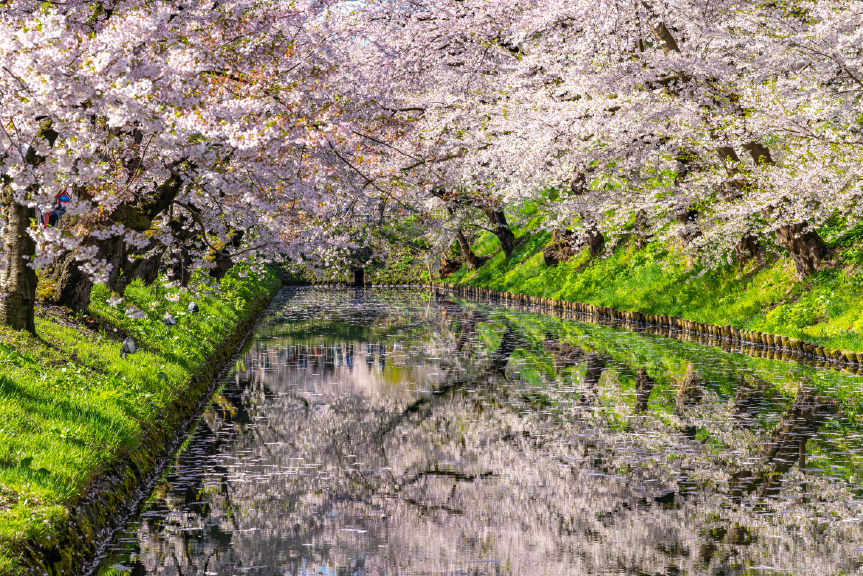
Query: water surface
[[402, 432]]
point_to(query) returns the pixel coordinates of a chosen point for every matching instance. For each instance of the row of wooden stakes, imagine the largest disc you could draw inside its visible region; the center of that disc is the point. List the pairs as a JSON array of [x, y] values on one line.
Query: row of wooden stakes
[[783, 346]]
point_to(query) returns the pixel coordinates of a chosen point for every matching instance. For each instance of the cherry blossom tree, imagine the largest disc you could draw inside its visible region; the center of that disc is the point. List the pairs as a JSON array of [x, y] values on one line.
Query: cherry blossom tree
[[721, 124], [186, 133], [191, 136]]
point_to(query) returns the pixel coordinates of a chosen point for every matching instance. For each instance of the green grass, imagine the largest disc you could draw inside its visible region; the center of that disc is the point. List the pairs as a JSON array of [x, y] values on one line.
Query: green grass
[[826, 309], [70, 406]]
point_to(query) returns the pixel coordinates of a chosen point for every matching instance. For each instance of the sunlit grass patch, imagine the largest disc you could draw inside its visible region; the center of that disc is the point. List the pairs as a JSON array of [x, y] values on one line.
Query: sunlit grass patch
[[70, 405], [826, 309]]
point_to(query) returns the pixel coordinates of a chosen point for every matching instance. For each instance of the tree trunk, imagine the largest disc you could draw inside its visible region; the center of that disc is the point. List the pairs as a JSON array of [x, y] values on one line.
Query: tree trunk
[[17, 279], [595, 241], [181, 271], [449, 266], [760, 154], [807, 248], [729, 159], [495, 216], [73, 287], [747, 248], [473, 261], [223, 259], [224, 262], [502, 230], [147, 269], [358, 278], [562, 247]]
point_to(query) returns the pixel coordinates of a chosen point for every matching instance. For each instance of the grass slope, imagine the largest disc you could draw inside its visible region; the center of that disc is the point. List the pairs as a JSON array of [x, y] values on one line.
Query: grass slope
[[826, 308], [70, 406]]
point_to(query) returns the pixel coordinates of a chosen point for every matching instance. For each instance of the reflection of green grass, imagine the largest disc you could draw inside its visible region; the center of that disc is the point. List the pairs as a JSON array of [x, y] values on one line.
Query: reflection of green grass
[[70, 406], [825, 309], [835, 449]]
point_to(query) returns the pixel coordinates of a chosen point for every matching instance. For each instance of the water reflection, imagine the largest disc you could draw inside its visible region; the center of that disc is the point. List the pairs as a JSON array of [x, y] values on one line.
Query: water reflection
[[397, 432]]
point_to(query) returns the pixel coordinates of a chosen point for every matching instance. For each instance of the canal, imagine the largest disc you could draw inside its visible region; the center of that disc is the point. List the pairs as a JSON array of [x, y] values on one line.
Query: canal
[[398, 431]]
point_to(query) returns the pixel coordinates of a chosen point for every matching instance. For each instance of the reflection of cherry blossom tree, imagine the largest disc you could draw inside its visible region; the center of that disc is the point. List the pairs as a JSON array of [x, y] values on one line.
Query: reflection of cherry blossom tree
[[320, 455]]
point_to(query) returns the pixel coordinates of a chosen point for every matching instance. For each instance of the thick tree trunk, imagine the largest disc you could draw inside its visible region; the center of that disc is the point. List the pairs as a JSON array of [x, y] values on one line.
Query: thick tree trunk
[[17, 279], [223, 264], [729, 158], [562, 247], [73, 287], [595, 241], [449, 266], [806, 247], [358, 278], [147, 269], [496, 217], [760, 154], [502, 230]]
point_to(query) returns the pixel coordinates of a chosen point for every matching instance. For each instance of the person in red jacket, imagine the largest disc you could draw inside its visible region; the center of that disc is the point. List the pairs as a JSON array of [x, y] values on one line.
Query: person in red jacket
[[50, 219]]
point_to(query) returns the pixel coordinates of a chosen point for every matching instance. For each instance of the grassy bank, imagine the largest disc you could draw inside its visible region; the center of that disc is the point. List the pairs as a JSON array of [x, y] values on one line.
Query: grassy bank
[[71, 408], [763, 295]]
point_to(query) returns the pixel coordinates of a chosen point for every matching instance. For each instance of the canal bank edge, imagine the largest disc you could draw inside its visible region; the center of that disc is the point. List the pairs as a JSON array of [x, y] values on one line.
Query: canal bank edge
[[73, 548], [751, 342]]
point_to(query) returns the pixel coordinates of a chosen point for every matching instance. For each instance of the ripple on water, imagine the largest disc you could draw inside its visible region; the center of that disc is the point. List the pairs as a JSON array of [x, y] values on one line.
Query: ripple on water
[[402, 432]]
